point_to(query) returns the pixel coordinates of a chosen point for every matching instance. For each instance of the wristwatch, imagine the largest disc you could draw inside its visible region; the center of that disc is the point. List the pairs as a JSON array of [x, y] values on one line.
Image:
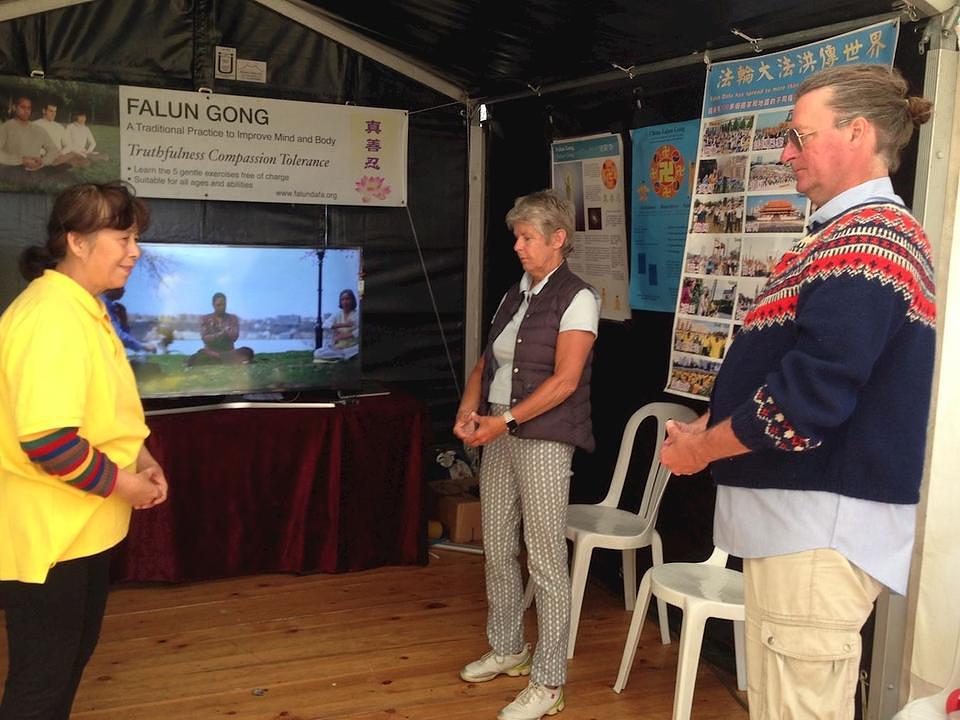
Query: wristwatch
[[511, 421]]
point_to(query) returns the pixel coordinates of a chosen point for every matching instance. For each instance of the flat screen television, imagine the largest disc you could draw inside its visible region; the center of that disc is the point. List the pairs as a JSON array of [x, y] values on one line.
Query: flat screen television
[[240, 320]]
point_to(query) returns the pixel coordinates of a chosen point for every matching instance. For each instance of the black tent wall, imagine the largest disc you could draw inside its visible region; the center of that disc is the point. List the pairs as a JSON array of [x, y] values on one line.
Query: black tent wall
[[156, 43]]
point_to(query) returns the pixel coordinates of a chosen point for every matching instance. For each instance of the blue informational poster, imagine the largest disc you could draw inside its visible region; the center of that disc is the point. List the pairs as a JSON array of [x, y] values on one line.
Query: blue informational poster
[[664, 164], [746, 212]]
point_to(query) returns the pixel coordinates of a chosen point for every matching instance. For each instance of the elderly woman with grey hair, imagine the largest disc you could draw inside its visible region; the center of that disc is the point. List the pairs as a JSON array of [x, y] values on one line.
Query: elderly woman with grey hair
[[528, 401]]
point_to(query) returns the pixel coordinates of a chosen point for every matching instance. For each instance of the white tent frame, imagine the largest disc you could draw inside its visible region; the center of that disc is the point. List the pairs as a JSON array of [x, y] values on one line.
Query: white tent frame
[[13, 9]]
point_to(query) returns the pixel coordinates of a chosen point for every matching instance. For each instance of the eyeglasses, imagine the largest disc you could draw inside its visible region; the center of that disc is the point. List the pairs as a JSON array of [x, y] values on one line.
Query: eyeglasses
[[795, 138]]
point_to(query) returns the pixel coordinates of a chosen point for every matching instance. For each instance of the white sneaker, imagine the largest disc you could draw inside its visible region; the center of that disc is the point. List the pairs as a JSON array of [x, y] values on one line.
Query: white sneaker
[[491, 665], [533, 703]]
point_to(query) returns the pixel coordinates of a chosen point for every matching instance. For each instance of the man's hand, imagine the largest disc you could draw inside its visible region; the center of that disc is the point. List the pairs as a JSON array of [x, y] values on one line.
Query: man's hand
[[682, 451], [689, 448]]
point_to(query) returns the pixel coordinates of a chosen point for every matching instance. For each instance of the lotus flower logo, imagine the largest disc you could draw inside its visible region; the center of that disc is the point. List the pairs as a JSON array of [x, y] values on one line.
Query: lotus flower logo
[[372, 188]]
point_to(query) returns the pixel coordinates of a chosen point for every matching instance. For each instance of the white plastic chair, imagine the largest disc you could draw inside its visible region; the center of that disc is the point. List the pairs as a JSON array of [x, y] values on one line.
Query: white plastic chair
[[701, 590], [933, 707], [604, 525]]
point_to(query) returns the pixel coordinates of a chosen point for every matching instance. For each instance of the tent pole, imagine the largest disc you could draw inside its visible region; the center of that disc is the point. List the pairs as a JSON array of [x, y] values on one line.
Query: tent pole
[[13, 9], [476, 235], [934, 204], [939, 85]]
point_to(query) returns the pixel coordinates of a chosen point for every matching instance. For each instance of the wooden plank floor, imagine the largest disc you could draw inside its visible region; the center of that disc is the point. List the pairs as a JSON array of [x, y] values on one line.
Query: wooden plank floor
[[382, 644]]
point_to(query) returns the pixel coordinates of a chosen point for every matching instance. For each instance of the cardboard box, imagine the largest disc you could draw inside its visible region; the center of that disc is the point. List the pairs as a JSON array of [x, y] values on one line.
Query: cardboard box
[[456, 504], [460, 515]]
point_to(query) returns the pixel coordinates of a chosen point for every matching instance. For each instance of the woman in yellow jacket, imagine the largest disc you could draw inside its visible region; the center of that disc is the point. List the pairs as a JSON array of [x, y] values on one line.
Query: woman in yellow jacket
[[72, 458]]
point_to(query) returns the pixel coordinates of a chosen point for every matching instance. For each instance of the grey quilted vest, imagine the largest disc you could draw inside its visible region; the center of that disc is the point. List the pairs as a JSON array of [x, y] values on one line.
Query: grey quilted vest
[[533, 361]]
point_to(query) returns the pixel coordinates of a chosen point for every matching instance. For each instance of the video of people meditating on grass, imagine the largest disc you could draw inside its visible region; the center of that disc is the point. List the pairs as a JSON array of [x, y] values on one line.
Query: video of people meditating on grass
[[227, 319]]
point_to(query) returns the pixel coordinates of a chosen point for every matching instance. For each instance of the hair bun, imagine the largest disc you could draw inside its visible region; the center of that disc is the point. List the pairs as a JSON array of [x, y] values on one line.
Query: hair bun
[[34, 260], [920, 109]]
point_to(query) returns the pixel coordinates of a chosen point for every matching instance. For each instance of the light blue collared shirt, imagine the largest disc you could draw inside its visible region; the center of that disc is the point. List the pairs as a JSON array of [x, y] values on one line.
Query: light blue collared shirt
[[879, 190], [876, 537]]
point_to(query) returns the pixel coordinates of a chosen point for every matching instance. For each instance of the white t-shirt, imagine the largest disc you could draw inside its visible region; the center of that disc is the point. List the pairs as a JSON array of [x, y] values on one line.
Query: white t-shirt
[[79, 139], [55, 130]]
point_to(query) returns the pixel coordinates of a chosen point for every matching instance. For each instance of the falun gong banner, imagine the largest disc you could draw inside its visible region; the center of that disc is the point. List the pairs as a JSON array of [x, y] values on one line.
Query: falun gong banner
[[186, 145], [746, 212], [176, 144]]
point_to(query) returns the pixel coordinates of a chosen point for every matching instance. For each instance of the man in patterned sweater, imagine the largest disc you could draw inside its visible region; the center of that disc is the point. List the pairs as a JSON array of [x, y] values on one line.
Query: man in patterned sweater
[[817, 424]]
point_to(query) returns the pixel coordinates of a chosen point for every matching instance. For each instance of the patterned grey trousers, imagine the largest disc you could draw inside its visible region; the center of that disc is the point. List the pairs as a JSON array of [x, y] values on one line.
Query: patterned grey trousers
[[528, 478]]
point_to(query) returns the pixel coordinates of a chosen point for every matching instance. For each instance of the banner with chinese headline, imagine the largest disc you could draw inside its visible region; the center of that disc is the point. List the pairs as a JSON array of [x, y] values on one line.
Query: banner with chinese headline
[[588, 172], [185, 145], [663, 174], [746, 212]]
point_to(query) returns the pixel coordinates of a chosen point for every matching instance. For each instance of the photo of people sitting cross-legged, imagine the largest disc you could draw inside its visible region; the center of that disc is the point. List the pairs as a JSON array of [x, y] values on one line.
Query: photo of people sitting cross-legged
[[51, 137]]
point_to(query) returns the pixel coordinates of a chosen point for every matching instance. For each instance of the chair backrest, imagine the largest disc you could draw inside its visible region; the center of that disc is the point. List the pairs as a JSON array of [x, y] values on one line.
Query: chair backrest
[[658, 475], [718, 557]]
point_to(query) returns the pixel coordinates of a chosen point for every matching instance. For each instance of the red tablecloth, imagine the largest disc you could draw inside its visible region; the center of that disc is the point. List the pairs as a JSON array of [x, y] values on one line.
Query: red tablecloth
[[279, 489]]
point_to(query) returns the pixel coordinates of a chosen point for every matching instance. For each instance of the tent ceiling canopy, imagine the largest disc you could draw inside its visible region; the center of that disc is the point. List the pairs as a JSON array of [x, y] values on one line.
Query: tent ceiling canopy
[[491, 49]]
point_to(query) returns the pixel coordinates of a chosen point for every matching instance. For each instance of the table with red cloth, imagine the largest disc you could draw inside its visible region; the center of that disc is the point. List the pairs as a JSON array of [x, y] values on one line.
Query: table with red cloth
[[282, 489]]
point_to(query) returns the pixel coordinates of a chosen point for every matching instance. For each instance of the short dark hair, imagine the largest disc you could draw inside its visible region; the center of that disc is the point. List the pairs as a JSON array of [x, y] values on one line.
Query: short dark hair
[[218, 295], [84, 209]]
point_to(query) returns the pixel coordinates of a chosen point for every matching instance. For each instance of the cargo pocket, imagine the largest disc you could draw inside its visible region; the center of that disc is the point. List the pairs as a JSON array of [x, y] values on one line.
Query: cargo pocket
[[808, 672]]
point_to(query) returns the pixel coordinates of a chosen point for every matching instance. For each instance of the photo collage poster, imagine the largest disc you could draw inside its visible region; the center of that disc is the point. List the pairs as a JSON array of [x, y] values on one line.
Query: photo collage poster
[[746, 212], [588, 172]]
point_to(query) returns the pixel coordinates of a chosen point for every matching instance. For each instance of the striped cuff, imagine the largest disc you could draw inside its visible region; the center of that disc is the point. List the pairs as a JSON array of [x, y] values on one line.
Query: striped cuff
[[64, 454]]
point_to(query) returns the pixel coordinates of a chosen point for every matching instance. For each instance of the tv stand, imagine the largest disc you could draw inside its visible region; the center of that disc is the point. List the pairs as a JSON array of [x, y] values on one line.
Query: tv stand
[[203, 403], [239, 405], [263, 397], [265, 488]]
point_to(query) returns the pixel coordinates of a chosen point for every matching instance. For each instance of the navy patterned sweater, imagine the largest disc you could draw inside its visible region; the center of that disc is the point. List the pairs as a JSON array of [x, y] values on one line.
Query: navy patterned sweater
[[828, 382]]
